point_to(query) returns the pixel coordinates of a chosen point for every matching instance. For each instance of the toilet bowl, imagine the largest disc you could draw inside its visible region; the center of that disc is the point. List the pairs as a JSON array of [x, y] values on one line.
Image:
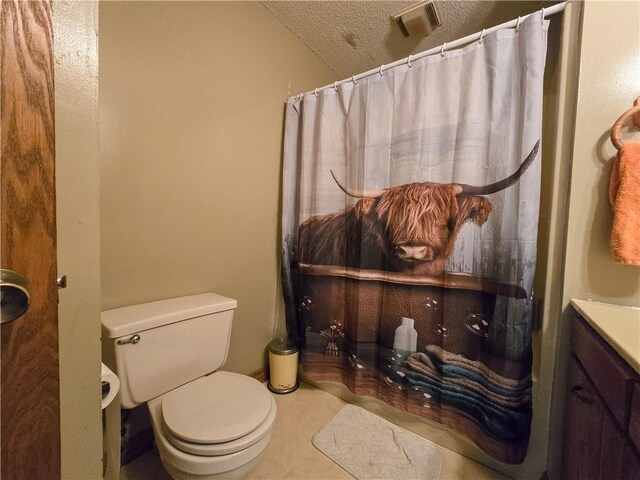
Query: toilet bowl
[[207, 423], [214, 427]]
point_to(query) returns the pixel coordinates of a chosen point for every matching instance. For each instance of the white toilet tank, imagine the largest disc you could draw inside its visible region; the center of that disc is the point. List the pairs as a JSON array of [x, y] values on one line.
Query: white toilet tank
[[162, 345]]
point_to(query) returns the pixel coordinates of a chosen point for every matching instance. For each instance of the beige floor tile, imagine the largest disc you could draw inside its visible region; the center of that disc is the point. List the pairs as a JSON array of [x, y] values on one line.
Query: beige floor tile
[[291, 455]]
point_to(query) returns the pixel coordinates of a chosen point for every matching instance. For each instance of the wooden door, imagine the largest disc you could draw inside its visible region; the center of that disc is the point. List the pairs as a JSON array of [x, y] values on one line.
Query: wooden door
[[29, 388]]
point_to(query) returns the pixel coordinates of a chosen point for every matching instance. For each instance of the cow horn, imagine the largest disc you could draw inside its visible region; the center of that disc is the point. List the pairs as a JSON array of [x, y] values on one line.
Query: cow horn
[[504, 183], [356, 193]]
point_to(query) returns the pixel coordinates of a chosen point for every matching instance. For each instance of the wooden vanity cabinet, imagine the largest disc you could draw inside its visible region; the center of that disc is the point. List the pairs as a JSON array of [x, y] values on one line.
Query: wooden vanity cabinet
[[634, 421], [602, 411]]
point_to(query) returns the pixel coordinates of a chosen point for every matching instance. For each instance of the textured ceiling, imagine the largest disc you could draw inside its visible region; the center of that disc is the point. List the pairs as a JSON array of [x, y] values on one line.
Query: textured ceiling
[[354, 36]]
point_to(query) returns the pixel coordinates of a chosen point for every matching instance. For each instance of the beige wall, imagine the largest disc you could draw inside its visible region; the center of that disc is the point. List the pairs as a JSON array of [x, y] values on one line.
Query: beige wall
[[76, 77], [609, 82], [191, 120]]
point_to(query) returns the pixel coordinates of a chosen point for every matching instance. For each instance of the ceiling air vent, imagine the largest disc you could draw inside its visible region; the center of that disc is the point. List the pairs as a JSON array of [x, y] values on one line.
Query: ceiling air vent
[[419, 19]]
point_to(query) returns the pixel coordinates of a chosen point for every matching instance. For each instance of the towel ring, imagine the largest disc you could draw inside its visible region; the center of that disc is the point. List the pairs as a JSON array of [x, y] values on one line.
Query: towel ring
[[615, 130]]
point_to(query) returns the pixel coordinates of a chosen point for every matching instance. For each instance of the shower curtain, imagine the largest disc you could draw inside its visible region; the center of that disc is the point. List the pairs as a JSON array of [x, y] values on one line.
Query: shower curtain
[[410, 210]]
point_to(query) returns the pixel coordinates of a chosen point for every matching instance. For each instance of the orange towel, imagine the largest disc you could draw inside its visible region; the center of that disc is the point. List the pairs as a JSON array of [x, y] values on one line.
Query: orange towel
[[624, 195]]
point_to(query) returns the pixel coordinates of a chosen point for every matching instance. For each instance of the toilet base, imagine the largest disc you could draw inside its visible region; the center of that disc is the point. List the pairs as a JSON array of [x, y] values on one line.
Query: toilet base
[[235, 474]]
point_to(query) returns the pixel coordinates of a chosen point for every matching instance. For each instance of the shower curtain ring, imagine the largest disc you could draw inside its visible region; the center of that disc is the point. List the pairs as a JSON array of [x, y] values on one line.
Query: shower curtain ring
[[353, 79], [335, 85], [409, 61], [481, 36], [315, 92], [381, 67], [542, 15], [518, 24], [442, 49]]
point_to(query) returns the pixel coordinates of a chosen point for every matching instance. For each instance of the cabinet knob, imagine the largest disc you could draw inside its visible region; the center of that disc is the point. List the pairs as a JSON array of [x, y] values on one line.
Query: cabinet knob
[[582, 393]]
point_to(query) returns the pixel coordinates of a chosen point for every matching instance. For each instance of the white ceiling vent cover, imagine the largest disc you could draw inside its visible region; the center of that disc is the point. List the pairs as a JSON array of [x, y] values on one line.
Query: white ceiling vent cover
[[418, 20]]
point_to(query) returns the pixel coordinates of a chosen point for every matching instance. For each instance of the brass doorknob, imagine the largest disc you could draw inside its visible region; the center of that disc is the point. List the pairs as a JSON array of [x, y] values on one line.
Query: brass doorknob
[[14, 295]]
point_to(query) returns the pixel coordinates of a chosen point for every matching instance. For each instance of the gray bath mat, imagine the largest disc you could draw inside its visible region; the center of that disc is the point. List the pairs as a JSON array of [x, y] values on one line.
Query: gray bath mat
[[369, 447]]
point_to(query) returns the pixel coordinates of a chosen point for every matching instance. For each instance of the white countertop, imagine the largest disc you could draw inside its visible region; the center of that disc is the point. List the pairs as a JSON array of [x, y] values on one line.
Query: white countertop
[[618, 325]]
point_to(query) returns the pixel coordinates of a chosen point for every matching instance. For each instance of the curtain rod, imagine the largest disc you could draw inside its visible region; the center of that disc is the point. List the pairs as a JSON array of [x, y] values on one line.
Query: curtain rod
[[546, 12]]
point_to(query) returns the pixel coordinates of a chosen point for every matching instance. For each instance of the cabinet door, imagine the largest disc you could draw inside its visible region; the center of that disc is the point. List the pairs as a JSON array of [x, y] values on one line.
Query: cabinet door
[[630, 464], [584, 413], [634, 420], [615, 451], [594, 447]]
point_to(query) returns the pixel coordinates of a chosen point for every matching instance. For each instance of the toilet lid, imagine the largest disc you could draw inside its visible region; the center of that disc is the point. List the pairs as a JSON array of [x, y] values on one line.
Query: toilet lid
[[226, 448], [218, 408]]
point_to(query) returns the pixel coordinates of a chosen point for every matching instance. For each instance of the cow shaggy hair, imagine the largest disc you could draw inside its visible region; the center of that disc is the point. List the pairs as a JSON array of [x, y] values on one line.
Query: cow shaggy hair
[[410, 228]]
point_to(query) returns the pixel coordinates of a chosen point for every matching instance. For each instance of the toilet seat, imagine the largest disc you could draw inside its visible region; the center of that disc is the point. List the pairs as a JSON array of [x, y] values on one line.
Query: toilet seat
[[226, 448], [219, 414], [179, 461]]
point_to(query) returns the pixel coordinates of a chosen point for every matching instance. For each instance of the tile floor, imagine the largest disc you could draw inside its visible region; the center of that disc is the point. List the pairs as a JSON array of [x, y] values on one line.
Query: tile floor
[[291, 455]]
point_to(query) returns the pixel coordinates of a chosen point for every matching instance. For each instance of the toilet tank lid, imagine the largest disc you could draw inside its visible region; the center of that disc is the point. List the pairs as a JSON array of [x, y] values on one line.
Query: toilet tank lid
[[136, 318]]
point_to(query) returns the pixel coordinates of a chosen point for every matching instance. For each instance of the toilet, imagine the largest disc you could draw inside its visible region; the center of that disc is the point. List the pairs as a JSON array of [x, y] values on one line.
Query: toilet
[[207, 423]]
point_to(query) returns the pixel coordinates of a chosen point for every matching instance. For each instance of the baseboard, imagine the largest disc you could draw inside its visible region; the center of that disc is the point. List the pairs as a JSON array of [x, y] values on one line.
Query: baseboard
[[261, 375]]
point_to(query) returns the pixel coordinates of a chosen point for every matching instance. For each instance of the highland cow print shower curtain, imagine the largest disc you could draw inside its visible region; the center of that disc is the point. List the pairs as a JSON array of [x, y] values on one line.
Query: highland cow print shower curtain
[[410, 210]]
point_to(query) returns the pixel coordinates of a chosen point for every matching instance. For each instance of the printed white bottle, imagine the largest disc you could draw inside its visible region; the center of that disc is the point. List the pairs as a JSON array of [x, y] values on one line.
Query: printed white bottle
[[405, 341]]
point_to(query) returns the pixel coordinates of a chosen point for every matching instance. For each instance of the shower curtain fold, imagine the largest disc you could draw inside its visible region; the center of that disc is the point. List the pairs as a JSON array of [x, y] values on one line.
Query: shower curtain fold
[[381, 220]]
